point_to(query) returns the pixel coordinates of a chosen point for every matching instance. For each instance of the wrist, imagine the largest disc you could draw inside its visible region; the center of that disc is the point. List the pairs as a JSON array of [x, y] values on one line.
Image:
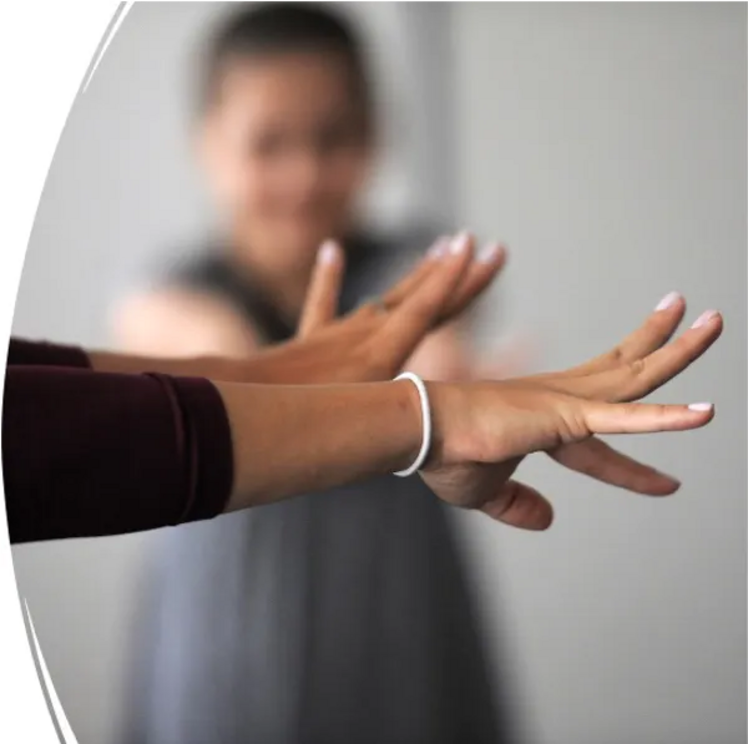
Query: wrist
[[442, 396], [430, 411], [408, 444]]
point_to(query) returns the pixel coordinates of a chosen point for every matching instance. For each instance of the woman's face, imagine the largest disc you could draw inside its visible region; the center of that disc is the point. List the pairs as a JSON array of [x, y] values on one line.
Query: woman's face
[[285, 151]]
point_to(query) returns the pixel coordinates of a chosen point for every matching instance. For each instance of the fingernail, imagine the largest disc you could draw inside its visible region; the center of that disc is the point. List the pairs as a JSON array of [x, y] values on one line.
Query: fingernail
[[490, 253], [460, 243], [700, 407], [327, 252], [704, 318], [438, 249], [668, 301]]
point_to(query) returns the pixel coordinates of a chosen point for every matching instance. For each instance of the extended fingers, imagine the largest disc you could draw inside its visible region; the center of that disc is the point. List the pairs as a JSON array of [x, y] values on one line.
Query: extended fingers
[[519, 505], [641, 377], [596, 459], [417, 314], [489, 261], [658, 368], [413, 279], [656, 330]]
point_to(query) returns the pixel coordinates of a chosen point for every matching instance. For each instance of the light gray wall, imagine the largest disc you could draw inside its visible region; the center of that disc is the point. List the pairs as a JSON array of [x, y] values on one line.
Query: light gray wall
[[606, 144]]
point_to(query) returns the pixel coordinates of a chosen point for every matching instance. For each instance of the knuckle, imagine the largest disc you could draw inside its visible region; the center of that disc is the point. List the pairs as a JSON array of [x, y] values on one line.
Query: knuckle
[[511, 498], [617, 355], [572, 425], [637, 367]]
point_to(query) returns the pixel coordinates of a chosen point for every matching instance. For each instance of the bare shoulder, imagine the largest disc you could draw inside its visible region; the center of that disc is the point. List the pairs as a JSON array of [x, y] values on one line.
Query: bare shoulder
[[181, 322]]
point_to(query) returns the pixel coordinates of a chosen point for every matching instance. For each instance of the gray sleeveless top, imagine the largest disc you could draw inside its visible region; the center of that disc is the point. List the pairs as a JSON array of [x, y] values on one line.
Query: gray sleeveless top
[[337, 618]]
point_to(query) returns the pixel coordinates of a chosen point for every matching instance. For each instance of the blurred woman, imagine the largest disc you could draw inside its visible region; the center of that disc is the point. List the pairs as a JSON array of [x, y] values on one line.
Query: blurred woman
[[343, 618]]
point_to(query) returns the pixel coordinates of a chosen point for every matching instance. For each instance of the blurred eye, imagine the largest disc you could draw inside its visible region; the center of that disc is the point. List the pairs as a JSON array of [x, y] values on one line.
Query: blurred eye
[[334, 137], [267, 145]]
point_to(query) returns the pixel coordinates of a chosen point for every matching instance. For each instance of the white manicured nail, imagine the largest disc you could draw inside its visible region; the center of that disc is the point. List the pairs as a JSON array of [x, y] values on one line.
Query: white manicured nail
[[668, 301], [490, 253], [460, 243], [439, 248], [704, 318], [327, 252], [700, 407]]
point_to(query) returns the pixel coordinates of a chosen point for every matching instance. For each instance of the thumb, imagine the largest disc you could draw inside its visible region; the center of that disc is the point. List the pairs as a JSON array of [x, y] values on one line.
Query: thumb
[[519, 505]]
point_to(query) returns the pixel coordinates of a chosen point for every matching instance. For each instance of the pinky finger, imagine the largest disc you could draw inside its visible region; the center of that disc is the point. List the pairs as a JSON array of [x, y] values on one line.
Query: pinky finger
[[637, 418]]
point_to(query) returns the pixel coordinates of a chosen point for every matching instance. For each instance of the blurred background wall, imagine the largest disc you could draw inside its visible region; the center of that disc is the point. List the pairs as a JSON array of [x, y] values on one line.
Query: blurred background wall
[[606, 143]]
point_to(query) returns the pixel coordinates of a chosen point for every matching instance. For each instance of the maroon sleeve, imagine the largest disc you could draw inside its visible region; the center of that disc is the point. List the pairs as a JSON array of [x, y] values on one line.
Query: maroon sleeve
[[45, 354], [89, 453]]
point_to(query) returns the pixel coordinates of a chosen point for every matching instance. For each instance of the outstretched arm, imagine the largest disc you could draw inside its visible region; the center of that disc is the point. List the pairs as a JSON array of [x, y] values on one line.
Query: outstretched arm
[[87, 453]]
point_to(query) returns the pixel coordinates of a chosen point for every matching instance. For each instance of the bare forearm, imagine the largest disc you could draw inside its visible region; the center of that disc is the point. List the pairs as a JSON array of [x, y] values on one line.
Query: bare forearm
[[289, 440]]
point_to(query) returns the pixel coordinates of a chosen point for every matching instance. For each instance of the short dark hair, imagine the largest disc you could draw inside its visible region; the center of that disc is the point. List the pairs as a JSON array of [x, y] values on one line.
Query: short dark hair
[[261, 29]]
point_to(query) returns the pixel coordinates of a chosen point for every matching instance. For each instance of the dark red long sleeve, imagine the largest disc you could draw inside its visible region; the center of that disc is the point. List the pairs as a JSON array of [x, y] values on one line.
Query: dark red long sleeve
[[89, 453], [44, 354]]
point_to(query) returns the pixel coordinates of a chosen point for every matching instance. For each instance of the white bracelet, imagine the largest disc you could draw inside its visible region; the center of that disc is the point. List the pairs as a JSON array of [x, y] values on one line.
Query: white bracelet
[[426, 417]]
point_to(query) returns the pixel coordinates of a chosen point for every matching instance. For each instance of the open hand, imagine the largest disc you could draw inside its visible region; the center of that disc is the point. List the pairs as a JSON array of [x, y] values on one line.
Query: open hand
[[374, 341], [482, 431]]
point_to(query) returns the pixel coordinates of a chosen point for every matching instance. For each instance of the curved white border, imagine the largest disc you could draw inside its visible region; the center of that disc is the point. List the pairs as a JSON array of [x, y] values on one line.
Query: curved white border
[[65, 733], [46, 49], [122, 11]]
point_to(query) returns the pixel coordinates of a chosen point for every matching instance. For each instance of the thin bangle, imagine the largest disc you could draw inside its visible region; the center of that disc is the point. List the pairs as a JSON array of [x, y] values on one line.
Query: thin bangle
[[425, 417]]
